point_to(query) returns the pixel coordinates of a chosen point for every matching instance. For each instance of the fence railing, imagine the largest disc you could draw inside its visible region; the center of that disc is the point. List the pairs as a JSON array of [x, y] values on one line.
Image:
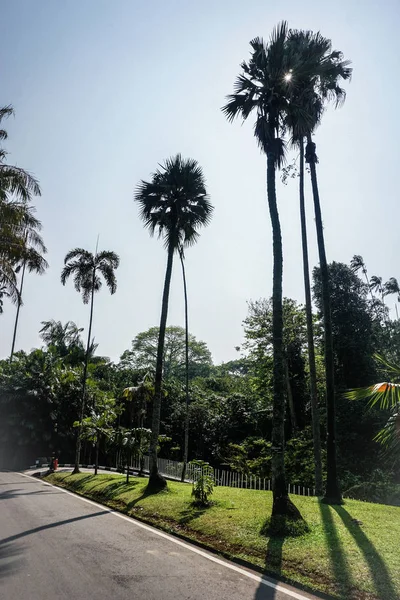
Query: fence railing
[[173, 470]]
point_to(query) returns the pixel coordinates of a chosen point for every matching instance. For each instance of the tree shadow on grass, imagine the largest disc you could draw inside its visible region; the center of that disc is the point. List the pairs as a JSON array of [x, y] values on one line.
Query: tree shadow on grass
[[273, 562], [145, 494], [380, 575], [190, 513], [340, 568]]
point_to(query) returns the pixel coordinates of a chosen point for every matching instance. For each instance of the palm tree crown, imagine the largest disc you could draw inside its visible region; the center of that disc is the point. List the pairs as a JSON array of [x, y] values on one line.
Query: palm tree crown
[[316, 80], [264, 87], [175, 202], [14, 181], [84, 266]]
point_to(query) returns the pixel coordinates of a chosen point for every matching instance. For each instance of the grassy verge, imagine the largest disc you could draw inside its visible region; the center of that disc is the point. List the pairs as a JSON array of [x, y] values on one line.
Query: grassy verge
[[351, 551]]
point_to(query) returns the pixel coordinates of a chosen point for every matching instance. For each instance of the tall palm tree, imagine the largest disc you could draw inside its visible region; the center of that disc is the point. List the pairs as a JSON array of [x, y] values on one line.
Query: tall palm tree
[[377, 285], [392, 287], [186, 435], [315, 85], [20, 242], [34, 261], [356, 264], [174, 204], [14, 181], [310, 331], [87, 270], [264, 87]]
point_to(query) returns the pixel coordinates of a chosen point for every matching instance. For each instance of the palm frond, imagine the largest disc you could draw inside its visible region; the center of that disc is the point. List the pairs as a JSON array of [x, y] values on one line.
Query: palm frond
[[18, 182], [5, 112], [175, 203]]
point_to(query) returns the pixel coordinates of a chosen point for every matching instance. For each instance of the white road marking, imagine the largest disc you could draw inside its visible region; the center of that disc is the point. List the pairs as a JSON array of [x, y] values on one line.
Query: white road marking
[[218, 561]]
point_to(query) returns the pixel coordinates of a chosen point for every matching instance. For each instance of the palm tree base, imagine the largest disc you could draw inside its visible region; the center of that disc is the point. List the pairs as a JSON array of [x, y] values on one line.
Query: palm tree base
[[157, 483], [283, 506], [75, 471]]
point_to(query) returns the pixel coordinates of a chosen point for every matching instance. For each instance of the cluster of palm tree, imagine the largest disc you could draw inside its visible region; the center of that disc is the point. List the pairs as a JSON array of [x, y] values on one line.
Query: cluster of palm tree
[[21, 245], [287, 84], [376, 284]]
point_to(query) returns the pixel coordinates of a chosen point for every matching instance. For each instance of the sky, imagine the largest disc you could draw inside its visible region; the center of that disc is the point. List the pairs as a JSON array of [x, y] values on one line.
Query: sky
[[105, 91]]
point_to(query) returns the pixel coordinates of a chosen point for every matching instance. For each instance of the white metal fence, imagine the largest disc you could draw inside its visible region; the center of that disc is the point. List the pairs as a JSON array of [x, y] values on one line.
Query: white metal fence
[[173, 470]]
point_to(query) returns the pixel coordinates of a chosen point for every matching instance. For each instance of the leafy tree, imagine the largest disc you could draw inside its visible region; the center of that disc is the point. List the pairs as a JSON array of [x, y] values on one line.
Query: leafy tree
[[143, 354], [315, 87], [38, 404], [263, 87], [86, 269], [258, 342], [356, 337], [352, 325], [175, 204]]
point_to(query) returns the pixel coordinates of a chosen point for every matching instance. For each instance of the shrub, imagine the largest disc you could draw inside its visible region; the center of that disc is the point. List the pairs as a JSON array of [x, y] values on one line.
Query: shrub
[[203, 486]]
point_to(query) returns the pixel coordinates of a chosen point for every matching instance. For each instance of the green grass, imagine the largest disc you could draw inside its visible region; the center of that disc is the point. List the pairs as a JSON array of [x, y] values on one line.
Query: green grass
[[339, 556]]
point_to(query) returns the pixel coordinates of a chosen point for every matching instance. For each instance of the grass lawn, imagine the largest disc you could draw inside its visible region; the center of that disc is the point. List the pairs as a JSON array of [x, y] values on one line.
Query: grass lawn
[[351, 551]]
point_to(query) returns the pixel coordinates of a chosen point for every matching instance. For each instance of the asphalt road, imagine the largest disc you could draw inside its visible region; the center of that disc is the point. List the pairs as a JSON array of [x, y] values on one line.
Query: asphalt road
[[56, 546]]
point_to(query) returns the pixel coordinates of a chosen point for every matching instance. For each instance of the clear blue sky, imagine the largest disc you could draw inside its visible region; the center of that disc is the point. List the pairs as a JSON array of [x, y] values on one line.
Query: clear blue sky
[[103, 91]]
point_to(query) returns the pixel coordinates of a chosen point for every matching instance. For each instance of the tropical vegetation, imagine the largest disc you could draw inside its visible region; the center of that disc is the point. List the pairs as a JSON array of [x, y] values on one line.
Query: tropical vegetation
[[299, 405]]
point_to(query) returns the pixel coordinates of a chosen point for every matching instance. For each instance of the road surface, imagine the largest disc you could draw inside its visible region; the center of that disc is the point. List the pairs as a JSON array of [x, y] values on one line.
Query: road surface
[[54, 545]]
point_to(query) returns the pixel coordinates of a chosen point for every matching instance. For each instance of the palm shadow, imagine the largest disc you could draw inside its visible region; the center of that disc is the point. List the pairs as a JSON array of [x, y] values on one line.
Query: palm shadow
[[273, 562], [11, 560], [341, 571], [190, 513], [14, 493], [380, 575], [142, 496]]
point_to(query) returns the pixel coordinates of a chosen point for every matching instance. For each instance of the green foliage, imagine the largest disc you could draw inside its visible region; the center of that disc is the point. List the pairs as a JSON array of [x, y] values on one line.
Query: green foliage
[[143, 354], [252, 457], [203, 485]]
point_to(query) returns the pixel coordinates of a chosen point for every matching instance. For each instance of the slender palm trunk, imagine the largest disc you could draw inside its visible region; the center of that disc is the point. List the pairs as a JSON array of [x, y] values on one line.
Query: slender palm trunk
[[96, 463], [18, 309], [84, 378], [156, 481], [292, 410], [281, 503], [310, 333], [332, 492], [186, 442]]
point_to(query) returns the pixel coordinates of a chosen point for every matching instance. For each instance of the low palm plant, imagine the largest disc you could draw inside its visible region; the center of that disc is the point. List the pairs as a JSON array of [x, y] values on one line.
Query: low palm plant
[[386, 395]]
